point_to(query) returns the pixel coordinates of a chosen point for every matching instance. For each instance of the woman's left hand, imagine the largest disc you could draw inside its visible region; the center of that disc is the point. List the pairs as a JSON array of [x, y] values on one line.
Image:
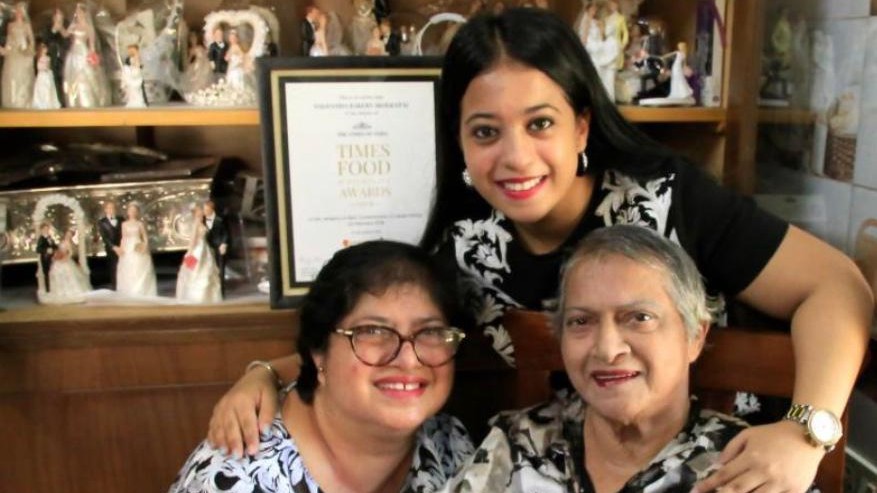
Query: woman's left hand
[[769, 458]]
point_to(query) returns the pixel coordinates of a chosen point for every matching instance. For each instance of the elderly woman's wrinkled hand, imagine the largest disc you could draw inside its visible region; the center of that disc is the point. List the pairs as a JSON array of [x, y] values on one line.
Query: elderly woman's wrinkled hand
[[769, 458], [242, 412]]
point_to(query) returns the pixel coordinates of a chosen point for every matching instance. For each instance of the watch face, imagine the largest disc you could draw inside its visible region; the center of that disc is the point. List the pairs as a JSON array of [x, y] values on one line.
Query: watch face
[[824, 427]]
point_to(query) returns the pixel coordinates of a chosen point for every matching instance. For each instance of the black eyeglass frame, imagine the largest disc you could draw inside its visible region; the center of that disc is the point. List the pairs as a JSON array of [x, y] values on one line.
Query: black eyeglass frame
[[456, 334]]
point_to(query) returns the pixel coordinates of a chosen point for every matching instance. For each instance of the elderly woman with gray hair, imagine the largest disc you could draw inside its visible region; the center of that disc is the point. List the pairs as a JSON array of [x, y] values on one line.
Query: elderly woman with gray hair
[[632, 318]]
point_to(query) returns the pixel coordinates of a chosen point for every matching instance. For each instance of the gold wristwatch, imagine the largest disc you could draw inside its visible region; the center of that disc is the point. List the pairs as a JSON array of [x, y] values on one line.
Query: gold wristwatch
[[823, 429]]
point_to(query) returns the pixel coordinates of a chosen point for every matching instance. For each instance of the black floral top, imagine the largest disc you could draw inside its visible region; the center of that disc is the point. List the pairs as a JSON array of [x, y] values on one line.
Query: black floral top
[[442, 446], [541, 449], [727, 235]]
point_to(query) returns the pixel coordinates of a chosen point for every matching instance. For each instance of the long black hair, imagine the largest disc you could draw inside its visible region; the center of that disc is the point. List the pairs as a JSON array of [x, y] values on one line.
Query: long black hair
[[372, 267], [539, 39]]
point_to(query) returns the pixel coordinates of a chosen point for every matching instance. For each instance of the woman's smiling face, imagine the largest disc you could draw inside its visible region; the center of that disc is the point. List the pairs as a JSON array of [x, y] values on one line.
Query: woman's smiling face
[[624, 343], [520, 139]]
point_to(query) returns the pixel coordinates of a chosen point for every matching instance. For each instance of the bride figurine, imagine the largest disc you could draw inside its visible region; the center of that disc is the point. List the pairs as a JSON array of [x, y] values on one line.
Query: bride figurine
[[198, 279], [198, 73], [68, 280], [132, 79], [85, 83], [135, 274], [18, 74], [239, 64], [45, 95]]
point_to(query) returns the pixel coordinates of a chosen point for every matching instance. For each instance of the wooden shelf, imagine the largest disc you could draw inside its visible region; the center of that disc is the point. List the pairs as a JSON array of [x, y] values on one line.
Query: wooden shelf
[[162, 116], [185, 116], [641, 114]]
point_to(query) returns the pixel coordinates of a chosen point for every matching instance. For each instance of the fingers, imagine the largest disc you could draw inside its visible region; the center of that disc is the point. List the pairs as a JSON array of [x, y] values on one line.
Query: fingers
[[249, 427], [267, 411], [233, 434], [721, 478]]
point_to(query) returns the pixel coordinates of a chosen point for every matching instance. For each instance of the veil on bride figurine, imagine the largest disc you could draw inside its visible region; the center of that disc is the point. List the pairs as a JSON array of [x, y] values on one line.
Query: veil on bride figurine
[[198, 278], [18, 53], [681, 93], [135, 273], [85, 83]]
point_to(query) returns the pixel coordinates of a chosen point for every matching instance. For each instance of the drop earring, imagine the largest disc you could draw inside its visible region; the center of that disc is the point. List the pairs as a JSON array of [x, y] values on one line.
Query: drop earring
[[583, 164], [467, 178]]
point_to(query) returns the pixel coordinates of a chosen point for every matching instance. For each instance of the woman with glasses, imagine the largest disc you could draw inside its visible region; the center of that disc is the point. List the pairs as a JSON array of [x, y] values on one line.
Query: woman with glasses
[[378, 335]]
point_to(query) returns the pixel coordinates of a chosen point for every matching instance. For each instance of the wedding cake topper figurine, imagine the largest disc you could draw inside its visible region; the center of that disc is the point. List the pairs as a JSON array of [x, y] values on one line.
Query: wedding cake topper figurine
[[110, 229], [18, 53], [217, 239], [46, 247], [135, 273], [132, 79], [198, 278], [45, 95], [681, 93]]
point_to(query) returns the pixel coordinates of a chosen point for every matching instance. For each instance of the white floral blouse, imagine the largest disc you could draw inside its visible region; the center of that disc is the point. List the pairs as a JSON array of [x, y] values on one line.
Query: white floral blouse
[[541, 449], [442, 446]]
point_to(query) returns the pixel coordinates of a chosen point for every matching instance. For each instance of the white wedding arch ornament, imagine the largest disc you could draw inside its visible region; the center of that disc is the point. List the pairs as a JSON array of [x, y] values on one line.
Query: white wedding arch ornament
[[39, 216], [436, 19]]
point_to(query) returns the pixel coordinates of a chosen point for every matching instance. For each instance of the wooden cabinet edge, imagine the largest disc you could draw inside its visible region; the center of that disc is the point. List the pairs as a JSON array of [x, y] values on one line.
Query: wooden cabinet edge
[[183, 116]]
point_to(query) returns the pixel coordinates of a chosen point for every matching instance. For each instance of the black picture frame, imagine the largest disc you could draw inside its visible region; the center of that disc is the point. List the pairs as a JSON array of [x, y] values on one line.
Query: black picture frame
[[274, 74]]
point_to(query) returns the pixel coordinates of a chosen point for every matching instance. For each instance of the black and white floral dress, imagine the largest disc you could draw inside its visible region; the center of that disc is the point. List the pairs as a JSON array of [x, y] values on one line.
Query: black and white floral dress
[[727, 235], [442, 446], [541, 449]]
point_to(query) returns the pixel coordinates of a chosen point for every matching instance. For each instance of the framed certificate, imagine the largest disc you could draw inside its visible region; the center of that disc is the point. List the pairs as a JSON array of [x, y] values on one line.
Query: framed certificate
[[350, 147]]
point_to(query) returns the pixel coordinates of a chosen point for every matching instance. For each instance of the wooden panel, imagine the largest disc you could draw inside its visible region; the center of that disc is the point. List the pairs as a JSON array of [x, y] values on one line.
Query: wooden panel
[[181, 115], [109, 403]]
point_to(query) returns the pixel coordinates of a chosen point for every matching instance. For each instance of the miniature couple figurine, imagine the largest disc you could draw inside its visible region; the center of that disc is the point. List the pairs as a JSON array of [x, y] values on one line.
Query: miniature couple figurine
[[127, 246], [200, 279], [64, 280], [132, 272]]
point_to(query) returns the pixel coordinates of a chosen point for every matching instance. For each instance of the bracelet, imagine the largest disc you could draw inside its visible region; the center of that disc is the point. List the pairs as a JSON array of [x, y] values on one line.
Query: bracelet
[[267, 366]]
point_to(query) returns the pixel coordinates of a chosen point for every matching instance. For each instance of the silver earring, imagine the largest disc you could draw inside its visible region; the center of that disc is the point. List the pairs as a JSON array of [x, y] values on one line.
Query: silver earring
[[320, 369], [583, 164], [467, 178]]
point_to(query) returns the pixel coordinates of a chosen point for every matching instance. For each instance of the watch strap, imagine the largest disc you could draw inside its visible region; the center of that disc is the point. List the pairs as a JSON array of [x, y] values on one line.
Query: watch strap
[[799, 413]]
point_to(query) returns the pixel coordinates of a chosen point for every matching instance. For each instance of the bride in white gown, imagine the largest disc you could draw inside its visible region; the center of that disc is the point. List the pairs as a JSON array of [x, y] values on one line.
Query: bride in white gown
[[135, 274], [198, 280], [68, 280]]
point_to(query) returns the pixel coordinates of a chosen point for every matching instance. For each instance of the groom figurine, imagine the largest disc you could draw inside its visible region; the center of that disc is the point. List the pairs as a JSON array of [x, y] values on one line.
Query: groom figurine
[[216, 53], [46, 247], [110, 228], [217, 239]]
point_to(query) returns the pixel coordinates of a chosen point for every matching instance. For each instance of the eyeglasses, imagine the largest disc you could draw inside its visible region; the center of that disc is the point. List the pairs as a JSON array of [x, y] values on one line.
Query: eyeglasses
[[376, 345]]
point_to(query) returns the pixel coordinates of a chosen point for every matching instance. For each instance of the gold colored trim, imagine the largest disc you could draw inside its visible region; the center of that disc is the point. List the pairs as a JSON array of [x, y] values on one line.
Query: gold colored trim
[[280, 182]]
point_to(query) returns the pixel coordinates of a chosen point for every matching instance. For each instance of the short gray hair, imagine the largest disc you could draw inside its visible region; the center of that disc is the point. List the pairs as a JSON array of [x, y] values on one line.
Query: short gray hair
[[643, 245]]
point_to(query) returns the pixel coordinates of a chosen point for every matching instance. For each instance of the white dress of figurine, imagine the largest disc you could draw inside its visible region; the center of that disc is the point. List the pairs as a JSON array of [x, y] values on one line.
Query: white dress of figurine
[[604, 51], [45, 95], [616, 27], [681, 93], [362, 25], [132, 79], [18, 74], [198, 279], [68, 280], [135, 274], [239, 64], [198, 73], [85, 83], [320, 46]]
